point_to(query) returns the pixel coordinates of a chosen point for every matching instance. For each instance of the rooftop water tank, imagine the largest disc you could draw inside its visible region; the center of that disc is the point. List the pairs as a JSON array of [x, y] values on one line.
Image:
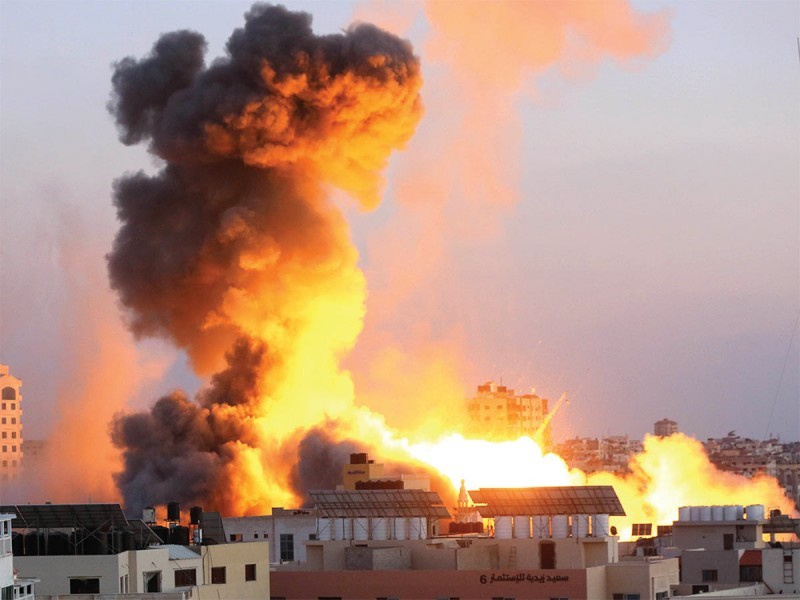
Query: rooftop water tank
[[502, 528], [522, 526]]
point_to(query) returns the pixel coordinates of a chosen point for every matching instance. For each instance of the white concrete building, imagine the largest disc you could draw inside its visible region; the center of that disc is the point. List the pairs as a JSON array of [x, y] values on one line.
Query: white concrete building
[[11, 587], [10, 425], [93, 549]]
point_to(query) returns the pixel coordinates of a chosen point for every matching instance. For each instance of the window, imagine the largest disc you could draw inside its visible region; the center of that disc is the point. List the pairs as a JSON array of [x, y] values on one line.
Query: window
[[13, 435], [152, 581], [3, 406], [235, 537], [5, 448], [84, 585], [642, 529], [2, 421], [13, 406], [626, 596], [9, 393], [750, 573], [709, 575], [13, 420], [287, 546], [255, 536], [312, 536], [250, 572], [662, 595], [5, 434], [727, 541], [218, 575], [185, 577]]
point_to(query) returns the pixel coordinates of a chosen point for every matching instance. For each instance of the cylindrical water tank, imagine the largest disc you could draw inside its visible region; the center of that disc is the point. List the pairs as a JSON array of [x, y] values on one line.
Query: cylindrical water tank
[[415, 527], [729, 512], [695, 513], [196, 515], [580, 526], [343, 529], [173, 511], [541, 526], [502, 528], [361, 528], [522, 526], [739, 512], [179, 535], [325, 529], [560, 526], [755, 512], [685, 513], [600, 525], [401, 528], [379, 527], [423, 528], [717, 513], [705, 513]]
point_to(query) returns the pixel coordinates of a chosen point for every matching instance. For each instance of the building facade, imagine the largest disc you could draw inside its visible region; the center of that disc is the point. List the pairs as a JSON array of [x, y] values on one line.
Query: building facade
[[497, 413], [665, 428], [10, 425]]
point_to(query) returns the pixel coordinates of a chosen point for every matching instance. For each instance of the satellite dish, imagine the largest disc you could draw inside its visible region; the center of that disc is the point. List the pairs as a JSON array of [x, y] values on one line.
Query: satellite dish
[[613, 530]]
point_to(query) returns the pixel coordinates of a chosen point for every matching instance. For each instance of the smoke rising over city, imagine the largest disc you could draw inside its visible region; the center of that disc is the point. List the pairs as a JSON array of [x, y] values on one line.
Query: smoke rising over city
[[232, 251]]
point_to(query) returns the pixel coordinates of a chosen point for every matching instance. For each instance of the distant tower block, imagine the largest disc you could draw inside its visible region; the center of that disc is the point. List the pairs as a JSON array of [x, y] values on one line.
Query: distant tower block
[[665, 428], [10, 425]]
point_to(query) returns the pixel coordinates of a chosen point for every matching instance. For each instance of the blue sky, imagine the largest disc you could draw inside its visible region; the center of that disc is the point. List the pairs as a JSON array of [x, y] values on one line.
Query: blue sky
[[650, 266]]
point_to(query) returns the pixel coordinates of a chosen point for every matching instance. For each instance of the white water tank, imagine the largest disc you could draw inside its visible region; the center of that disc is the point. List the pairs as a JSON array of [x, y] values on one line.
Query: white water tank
[[361, 528], [600, 525], [705, 513], [401, 528], [379, 528], [502, 528], [729, 512], [343, 529], [325, 529], [717, 513], [560, 525], [695, 513], [755, 512], [541, 526], [685, 513], [580, 526], [417, 528], [522, 526]]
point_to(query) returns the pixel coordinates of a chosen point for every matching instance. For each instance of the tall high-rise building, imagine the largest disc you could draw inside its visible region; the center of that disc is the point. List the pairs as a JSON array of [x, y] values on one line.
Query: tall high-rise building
[[497, 413], [665, 428], [10, 425]]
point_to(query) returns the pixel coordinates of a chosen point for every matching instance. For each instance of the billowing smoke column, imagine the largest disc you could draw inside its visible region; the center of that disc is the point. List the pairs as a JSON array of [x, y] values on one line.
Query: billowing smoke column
[[233, 251]]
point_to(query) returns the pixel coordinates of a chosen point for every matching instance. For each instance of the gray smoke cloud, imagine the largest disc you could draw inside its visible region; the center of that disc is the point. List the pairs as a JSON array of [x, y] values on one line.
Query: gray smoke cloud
[[216, 251]]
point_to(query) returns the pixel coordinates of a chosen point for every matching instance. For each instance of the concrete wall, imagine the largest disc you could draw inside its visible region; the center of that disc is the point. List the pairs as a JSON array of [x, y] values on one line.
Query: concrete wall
[[270, 527], [772, 570], [644, 577], [694, 562], [54, 572], [483, 557], [711, 536], [466, 585], [377, 559], [234, 557]]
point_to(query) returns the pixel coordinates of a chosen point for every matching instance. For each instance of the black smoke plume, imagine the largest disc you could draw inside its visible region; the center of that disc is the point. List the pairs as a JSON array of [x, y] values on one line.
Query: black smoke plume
[[223, 251]]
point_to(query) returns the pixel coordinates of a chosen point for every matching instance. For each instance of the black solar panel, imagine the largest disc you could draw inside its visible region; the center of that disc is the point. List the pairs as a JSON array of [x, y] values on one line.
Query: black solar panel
[[558, 500], [379, 503], [44, 516]]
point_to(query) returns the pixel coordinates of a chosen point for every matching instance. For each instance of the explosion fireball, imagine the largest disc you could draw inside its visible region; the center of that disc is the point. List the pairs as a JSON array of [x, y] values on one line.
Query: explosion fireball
[[236, 254]]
